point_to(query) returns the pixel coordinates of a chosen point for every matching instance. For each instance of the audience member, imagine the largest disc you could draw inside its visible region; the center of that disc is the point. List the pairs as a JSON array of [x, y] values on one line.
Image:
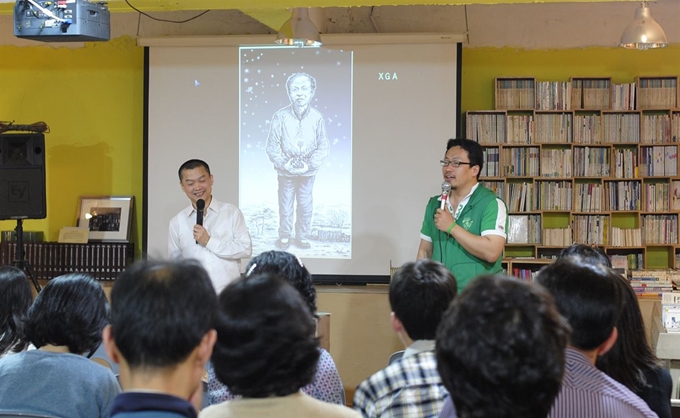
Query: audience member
[[588, 297], [500, 350], [588, 253], [266, 352], [419, 294], [326, 385], [631, 360], [65, 324], [15, 299], [162, 334]]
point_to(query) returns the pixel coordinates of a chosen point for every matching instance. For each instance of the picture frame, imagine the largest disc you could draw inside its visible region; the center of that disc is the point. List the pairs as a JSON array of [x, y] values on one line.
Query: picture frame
[[108, 218]]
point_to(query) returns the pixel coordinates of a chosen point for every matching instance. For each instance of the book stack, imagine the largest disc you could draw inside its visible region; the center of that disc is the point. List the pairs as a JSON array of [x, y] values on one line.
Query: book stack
[[103, 261], [652, 283]]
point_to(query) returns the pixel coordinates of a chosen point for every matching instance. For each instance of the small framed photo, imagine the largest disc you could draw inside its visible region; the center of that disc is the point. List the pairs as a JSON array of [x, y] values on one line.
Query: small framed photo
[[109, 218]]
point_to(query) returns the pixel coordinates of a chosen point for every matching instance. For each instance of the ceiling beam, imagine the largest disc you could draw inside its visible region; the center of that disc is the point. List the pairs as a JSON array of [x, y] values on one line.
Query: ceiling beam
[[271, 9]]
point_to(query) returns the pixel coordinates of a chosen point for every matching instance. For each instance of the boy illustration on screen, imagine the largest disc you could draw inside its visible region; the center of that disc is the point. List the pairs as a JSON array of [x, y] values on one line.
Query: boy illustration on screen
[[297, 145]]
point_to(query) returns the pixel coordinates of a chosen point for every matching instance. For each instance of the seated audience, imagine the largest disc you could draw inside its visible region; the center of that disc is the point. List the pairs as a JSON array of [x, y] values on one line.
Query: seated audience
[[15, 299], [326, 385], [419, 294], [500, 350], [632, 362], [161, 334], [266, 352], [588, 297], [65, 324]]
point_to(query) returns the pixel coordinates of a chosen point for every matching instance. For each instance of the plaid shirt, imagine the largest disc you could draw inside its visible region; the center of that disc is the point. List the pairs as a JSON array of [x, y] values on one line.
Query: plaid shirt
[[409, 387]]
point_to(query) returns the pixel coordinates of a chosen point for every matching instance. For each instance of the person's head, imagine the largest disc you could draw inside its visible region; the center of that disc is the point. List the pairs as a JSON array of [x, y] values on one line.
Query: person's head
[[163, 313], [288, 267], [500, 349], [587, 296], [265, 338], [15, 299], [471, 158], [71, 310], [301, 88], [631, 353], [420, 292], [196, 180], [588, 254]]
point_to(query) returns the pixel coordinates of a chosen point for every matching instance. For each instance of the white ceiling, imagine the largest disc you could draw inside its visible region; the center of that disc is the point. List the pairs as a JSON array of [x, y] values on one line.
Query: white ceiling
[[530, 26]]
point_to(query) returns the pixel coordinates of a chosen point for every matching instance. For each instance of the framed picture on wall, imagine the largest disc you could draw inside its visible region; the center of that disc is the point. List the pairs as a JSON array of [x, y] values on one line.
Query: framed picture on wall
[[109, 218]]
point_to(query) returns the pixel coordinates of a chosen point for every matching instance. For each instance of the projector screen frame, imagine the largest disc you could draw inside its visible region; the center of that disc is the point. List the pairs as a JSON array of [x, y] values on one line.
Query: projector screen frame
[[351, 39]]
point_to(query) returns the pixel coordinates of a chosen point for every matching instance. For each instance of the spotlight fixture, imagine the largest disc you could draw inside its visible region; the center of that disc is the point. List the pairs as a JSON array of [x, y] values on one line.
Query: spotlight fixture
[[643, 32], [299, 30]]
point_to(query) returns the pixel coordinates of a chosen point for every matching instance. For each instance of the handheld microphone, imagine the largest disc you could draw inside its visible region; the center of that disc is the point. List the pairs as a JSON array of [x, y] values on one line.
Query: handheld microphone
[[446, 188], [200, 206]]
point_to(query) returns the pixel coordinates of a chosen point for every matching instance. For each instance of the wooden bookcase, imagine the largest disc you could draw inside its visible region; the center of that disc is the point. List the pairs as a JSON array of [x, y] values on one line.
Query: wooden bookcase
[[585, 161]]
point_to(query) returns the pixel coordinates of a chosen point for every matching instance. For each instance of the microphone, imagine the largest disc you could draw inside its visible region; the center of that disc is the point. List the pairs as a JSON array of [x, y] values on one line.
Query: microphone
[[200, 205], [446, 188]]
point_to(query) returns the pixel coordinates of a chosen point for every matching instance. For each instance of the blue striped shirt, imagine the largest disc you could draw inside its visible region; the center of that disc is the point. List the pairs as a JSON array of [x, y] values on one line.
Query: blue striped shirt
[[589, 393]]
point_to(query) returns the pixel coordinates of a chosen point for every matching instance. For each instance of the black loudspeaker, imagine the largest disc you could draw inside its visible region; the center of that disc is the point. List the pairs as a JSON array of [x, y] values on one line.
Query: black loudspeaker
[[22, 176]]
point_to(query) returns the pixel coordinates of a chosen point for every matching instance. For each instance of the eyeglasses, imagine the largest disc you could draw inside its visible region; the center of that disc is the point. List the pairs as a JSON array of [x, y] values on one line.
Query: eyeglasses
[[454, 164]]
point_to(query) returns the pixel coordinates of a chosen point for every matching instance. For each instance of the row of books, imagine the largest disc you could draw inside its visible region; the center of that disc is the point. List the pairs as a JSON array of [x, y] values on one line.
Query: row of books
[[660, 229], [657, 197], [556, 162], [522, 161], [591, 229], [590, 94], [626, 163], [626, 237], [659, 161], [632, 261], [591, 162], [559, 237], [609, 128], [491, 162], [652, 93], [104, 261], [588, 197], [524, 229], [622, 195], [519, 197], [495, 186], [553, 195], [553, 95]]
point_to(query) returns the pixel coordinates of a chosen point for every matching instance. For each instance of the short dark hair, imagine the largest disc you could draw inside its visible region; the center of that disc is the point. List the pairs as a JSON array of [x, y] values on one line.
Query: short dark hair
[[312, 80], [473, 149], [420, 292], [501, 348], [160, 311], [15, 299], [631, 355], [265, 338], [587, 296], [71, 310], [190, 165], [588, 254], [288, 267]]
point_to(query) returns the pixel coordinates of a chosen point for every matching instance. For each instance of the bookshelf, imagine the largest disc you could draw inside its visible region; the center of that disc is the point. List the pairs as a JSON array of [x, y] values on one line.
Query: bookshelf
[[104, 261], [586, 160]]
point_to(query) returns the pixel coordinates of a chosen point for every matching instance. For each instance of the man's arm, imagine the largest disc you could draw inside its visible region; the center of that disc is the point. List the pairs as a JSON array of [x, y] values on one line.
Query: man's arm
[[273, 147], [174, 251], [424, 250], [317, 157], [488, 246], [231, 238]]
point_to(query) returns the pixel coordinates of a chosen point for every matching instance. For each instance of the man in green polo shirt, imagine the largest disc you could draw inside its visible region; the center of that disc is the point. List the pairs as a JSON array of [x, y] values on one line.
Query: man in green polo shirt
[[468, 235]]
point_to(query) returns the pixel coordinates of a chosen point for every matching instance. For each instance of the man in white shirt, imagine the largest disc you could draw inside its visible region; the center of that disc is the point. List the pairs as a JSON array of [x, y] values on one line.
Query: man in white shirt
[[223, 239]]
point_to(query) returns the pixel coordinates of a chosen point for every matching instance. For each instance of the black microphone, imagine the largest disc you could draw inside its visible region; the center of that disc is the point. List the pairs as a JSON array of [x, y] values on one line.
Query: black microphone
[[200, 205], [446, 188]]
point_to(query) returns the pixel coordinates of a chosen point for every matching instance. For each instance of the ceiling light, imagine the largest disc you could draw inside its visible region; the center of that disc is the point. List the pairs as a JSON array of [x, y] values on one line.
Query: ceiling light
[[299, 30], [643, 32]]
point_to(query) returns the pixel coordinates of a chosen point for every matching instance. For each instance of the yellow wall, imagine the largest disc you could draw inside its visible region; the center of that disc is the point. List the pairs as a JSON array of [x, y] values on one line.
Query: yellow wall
[[91, 98]]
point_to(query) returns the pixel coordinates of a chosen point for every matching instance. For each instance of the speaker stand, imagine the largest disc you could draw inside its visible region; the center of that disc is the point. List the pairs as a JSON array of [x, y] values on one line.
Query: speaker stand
[[21, 261]]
